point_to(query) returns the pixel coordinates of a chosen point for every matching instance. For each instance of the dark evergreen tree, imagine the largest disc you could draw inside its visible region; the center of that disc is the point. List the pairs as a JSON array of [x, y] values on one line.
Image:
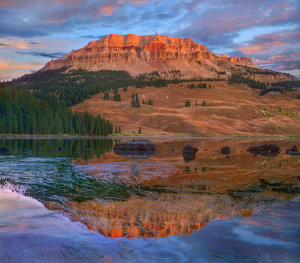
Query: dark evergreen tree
[[117, 96], [106, 95], [133, 104], [187, 103], [137, 101]]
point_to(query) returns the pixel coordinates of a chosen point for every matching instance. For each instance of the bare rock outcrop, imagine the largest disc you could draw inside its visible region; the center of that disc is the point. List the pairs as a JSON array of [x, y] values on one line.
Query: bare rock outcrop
[[145, 54]]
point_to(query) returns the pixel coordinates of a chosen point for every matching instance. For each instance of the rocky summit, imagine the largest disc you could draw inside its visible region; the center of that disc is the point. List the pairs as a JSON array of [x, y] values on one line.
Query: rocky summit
[[153, 53]]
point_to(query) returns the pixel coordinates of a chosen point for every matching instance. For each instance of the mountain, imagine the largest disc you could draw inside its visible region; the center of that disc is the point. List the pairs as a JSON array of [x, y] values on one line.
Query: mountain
[[225, 95], [177, 57]]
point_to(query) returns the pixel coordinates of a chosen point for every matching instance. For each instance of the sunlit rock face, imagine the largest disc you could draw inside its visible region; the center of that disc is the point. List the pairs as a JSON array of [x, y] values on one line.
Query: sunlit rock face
[[145, 54]]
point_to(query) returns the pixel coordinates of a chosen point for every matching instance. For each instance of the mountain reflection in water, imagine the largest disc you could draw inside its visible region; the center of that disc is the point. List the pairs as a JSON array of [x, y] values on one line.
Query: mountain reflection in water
[[170, 197], [161, 196], [29, 233]]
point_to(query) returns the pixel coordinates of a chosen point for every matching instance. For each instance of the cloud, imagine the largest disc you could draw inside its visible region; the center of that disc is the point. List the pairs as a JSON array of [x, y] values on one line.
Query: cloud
[[44, 17], [277, 51], [107, 10], [16, 43], [43, 54], [264, 43], [11, 69], [232, 26], [5, 3], [94, 37], [220, 22]]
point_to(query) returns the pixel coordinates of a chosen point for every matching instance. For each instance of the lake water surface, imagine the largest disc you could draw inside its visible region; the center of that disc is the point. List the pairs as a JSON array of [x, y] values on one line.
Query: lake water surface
[[88, 200]]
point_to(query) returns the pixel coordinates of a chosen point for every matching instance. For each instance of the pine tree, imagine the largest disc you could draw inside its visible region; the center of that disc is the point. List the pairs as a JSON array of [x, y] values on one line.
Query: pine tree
[[106, 95], [187, 103], [138, 105], [133, 104], [204, 103], [140, 130]]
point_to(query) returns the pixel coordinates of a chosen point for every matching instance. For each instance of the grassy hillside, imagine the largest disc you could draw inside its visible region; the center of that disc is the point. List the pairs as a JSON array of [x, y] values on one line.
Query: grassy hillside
[[224, 109], [149, 104]]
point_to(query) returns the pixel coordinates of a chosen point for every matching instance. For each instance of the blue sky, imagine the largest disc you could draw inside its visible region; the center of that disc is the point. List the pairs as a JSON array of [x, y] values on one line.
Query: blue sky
[[34, 31]]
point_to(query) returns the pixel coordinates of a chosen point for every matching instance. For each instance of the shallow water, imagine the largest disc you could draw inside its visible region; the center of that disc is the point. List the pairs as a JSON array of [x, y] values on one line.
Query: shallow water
[[90, 203]]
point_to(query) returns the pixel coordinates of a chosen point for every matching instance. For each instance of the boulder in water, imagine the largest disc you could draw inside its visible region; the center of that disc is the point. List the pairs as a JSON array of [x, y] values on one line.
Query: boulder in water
[[4, 151], [135, 149], [28, 153], [189, 153], [61, 149], [225, 150], [293, 151], [267, 150]]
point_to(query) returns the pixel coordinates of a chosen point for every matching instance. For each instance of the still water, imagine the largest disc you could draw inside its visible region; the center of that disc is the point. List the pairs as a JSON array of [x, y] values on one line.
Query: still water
[[157, 200]]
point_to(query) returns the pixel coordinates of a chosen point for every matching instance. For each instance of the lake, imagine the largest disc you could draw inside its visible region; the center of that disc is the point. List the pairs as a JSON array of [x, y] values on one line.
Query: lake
[[149, 200]]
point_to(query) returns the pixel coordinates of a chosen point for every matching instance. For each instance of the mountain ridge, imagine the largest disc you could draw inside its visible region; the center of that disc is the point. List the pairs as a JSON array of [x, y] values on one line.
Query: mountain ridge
[[146, 54]]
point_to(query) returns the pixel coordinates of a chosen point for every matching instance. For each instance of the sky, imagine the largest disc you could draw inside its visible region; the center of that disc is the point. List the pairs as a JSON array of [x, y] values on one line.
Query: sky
[[34, 31]]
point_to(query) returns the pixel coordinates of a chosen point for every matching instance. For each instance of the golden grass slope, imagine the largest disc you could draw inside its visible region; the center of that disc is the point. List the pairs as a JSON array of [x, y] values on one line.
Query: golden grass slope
[[231, 109]]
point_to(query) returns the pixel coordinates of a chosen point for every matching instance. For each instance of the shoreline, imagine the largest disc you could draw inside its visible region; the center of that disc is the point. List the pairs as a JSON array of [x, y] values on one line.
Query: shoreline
[[57, 137]]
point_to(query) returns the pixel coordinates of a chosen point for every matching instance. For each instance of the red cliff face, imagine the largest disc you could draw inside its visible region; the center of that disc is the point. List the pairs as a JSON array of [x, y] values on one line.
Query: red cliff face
[[145, 54]]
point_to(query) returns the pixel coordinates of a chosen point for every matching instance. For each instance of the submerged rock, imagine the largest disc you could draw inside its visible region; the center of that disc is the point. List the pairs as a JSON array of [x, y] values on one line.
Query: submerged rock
[[225, 150], [28, 153], [293, 151], [4, 151], [188, 153], [268, 150], [135, 149], [61, 149]]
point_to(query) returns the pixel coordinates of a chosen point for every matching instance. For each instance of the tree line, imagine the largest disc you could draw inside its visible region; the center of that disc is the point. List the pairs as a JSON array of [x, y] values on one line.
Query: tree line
[[22, 113], [265, 87]]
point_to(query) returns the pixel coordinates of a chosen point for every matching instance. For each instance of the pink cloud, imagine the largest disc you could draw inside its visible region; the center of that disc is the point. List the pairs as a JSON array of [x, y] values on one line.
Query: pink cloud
[[58, 21], [139, 2], [68, 2], [259, 48], [10, 69], [5, 3], [107, 10], [291, 56]]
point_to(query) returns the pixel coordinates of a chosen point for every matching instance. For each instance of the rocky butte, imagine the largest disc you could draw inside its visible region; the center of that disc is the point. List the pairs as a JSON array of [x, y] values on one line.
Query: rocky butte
[[177, 57]]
